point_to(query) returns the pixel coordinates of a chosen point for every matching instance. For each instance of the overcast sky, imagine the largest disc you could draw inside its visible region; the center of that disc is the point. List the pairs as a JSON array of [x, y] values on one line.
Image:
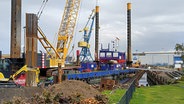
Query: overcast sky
[[157, 25]]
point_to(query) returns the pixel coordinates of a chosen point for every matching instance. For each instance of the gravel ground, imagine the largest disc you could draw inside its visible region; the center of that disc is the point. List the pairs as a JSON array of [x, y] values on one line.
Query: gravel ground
[[7, 94]]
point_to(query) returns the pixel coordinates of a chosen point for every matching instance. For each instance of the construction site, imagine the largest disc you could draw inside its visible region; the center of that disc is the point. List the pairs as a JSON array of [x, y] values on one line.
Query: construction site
[[77, 65]]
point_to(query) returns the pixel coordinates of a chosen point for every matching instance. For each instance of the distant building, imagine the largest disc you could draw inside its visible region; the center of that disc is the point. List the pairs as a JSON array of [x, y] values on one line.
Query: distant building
[[156, 59], [178, 62]]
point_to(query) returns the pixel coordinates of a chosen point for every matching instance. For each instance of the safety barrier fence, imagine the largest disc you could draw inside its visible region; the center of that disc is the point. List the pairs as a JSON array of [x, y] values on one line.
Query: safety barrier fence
[[129, 93]]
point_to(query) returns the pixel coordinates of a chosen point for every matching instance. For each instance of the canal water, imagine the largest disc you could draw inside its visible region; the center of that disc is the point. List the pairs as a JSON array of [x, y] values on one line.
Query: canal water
[[143, 81]]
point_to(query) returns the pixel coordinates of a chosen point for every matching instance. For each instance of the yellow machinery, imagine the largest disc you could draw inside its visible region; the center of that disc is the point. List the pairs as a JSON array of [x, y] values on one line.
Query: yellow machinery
[[65, 34], [2, 78], [24, 70], [83, 44], [137, 64], [49, 48]]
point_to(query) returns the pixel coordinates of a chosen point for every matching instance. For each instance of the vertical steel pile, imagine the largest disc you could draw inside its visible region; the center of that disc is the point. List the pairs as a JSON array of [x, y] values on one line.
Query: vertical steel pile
[[96, 33], [31, 39], [129, 52], [15, 50]]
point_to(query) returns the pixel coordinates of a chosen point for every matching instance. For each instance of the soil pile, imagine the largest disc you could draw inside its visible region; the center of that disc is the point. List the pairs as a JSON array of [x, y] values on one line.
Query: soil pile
[[67, 92], [72, 88]]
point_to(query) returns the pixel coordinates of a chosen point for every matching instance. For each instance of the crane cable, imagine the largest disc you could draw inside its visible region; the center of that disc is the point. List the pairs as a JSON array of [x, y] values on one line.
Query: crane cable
[[41, 8]]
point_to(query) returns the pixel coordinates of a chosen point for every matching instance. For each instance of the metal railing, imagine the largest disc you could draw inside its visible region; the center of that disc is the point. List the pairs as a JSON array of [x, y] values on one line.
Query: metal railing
[[128, 95]]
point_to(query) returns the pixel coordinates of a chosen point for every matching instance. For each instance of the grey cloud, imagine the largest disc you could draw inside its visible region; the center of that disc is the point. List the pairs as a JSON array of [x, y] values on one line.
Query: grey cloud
[[155, 23]]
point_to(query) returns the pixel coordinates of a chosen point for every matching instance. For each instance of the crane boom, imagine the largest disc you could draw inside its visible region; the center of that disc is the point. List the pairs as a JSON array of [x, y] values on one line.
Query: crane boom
[[67, 26]]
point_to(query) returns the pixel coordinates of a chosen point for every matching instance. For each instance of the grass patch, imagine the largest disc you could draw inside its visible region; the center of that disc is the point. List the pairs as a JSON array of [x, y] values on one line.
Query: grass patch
[[114, 96], [161, 94]]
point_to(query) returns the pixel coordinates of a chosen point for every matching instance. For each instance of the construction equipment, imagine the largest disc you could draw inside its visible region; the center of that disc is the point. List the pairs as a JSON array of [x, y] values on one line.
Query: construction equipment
[[51, 51], [20, 76], [97, 32], [67, 27], [112, 60], [5, 69], [15, 46], [87, 64], [129, 46], [41, 8], [65, 34], [136, 64], [15, 42], [85, 54]]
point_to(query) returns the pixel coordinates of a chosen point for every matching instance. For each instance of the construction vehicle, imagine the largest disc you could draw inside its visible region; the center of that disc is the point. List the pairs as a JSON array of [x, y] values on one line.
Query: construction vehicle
[[65, 34], [136, 64], [18, 77], [5, 70]]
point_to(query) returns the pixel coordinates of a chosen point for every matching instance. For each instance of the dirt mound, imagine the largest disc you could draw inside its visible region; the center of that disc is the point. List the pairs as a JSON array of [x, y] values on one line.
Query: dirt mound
[[68, 92], [74, 87]]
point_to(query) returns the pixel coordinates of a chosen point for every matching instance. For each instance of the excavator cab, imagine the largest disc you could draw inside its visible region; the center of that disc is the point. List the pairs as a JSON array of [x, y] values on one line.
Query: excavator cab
[[5, 70]]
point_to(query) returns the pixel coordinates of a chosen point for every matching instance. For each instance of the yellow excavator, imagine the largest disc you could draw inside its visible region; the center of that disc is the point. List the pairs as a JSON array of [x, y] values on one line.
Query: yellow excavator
[[20, 76]]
